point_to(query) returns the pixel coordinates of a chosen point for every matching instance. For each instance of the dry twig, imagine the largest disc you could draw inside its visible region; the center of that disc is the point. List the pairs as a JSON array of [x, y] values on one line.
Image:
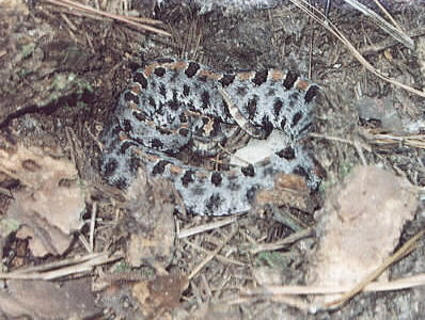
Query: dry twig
[[321, 19], [272, 292], [212, 254], [392, 29], [206, 227], [62, 268], [408, 247], [135, 22]]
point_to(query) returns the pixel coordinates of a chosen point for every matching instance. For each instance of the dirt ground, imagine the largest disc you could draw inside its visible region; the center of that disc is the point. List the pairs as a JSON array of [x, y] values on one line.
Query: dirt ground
[[62, 71]]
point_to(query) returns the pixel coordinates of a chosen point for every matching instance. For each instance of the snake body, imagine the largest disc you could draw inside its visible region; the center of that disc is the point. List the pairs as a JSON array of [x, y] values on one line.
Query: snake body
[[172, 106]]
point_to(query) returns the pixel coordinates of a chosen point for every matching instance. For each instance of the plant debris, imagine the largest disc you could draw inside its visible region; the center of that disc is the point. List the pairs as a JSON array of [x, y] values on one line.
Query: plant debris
[[46, 300], [152, 233], [359, 226], [48, 209]]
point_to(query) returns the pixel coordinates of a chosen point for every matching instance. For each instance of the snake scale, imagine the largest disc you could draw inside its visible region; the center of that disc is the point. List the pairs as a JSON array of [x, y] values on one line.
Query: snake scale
[[173, 106]]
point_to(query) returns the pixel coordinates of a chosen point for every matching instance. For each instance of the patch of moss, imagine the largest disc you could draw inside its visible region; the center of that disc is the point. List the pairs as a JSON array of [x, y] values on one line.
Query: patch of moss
[[273, 259], [27, 50]]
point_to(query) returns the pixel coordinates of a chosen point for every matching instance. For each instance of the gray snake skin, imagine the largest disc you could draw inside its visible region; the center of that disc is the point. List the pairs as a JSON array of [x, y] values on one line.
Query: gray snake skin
[[173, 106]]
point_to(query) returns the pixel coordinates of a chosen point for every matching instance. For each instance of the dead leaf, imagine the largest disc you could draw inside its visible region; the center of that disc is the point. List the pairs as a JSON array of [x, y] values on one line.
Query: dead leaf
[[48, 300], [160, 294], [360, 225], [290, 190], [50, 205], [117, 297], [42, 245], [153, 231]]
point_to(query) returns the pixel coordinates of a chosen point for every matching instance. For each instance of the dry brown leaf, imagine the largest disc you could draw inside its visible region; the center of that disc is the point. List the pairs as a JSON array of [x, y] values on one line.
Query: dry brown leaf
[[360, 225], [41, 245], [50, 205], [153, 230], [160, 294], [290, 190], [48, 300]]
